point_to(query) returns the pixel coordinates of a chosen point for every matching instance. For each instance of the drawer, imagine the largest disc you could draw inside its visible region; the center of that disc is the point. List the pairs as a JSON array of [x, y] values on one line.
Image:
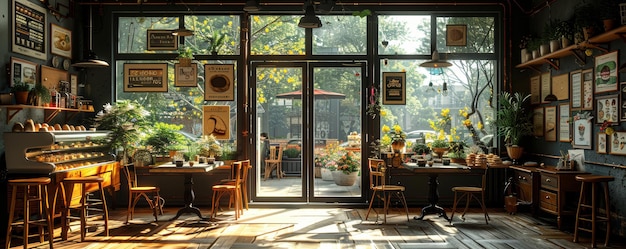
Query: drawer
[[549, 181], [548, 200], [523, 177]]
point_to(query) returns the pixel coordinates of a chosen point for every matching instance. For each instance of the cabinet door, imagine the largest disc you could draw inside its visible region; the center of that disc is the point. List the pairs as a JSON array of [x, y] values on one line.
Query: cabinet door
[[524, 187]]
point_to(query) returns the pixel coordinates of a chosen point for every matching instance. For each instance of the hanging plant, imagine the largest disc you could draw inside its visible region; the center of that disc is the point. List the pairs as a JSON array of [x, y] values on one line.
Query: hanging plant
[[373, 108]]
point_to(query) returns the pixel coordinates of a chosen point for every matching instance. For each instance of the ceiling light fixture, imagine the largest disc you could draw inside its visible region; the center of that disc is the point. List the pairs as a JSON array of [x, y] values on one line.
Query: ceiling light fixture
[[310, 20], [182, 31], [251, 5], [435, 62], [91, 60]]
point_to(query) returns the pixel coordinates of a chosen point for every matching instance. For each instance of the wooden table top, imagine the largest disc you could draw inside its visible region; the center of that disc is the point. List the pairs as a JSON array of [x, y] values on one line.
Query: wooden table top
[[437, 168], [196, 168]]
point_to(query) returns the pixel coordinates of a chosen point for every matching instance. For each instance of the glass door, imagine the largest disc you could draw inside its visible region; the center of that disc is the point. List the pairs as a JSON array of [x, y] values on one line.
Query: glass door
[[304, 115]]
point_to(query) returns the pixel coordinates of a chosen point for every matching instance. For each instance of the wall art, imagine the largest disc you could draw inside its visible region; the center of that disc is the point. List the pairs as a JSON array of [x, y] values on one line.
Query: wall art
[[185, 76], [622, 102], [538, 122], [394, 88], [456, 35], [564, 123], [587, 89], [576, 86], [145, 77], [216, 121], [607, 109], [546, 86], [61, 41], [550, 123], [219, 82], [560, 86], [535, 90], [602, 143], [618, 143], [582, 130], [606, 67], [23, 71], [161, 39], [29, 29]]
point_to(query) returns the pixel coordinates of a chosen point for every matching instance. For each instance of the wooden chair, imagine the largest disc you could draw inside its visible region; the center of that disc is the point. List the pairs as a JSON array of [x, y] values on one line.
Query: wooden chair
[[275, 161], [471, 192], [381, 190], [135, 193], [244, 183], [233, 189]]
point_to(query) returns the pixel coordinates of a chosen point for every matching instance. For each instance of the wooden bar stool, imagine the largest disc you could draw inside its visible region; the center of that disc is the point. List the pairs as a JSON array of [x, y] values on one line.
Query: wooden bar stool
[[42, 199], [85, 206], [582, 215]]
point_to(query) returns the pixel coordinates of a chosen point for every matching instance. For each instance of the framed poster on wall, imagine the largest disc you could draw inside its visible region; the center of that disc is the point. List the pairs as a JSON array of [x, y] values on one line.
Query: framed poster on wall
[[564, 123], [61, 41], [535, 90], [219, 82], [538, 122], [394, 88], [159, 39], [618, 143], [550, 123], [456, 35], [606, 67], [30, 30], [576, 86], [607, 109], [145, 77], [622, 102], [587, 89], [216, 121], [560, 86], [546, 86], [582, 130], [23, 71], [185, 76], [602, 143]]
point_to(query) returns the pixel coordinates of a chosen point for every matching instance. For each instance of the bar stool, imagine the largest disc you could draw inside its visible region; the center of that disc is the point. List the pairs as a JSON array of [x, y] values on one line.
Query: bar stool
[[44, 217], [84, 206], [593, 180]]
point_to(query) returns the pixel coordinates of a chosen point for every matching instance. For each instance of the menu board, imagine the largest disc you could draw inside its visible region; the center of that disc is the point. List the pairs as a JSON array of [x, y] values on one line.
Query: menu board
[[29, 29], [145, 77]]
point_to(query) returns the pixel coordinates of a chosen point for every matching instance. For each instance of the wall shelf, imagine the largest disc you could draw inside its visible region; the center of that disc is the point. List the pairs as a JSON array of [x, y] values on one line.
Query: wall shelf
[[49, 112], [594, 42]]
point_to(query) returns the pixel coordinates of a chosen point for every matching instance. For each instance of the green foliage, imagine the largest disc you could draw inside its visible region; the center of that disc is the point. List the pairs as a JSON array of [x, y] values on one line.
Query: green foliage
[[42, 92], [457, 149], [163, 137], [362, 13], [421, 149], [550, 30], [19, 86], [440, 143], [512, 120], [291, 153], [566, 30], [185, 52], [209, 147], [216, 41], [126, 120], [229, 152]]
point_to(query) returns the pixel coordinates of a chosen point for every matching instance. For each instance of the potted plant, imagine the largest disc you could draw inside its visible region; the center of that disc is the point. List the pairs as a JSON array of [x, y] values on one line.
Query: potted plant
[[420, 149], [185, 55], [551, 34], [513, 122], [20, 90], [41, 95], [126, 121], [348, 166], [533, 47], [396, 136], [216, 41], [586, 20], [456, 151], [209, 147], [164, 137], [229, 154], [565, 31]]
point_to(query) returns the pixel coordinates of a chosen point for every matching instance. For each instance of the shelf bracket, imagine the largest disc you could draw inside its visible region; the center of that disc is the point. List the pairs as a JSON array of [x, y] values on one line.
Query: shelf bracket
[[553, 62], [622, 35], [580, 60], [50, 114], [11, 112], [591, 45], [537, 70]]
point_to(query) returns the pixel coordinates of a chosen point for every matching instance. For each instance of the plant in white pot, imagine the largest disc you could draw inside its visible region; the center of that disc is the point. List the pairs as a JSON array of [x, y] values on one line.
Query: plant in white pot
[[513, 122]]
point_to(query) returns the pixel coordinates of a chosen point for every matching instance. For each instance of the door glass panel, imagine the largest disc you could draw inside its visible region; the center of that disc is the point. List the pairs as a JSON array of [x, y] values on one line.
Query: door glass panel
[[279, 114], [336, 115]]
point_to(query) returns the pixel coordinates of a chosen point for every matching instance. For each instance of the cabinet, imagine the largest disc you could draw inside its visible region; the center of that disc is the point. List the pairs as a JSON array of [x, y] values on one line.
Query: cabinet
[[61, 154], [558, 192], [525, 182]]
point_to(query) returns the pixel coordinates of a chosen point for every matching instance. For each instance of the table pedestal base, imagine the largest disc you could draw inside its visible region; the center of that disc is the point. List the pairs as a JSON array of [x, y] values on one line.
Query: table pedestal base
[[189, 196], [432, 209], [433, 199]]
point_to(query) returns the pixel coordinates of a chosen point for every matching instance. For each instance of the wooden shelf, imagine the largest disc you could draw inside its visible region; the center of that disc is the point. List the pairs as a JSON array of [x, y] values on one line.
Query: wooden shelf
[[49, 112], [594, 42]]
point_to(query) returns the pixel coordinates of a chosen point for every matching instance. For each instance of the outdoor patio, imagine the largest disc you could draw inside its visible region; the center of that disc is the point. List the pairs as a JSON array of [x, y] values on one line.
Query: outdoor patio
[[292, 186]]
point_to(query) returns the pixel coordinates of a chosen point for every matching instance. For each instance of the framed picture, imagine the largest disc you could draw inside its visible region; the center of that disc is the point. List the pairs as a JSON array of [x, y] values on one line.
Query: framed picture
[[601, 148], [582, 131], [456, 35], [145, 77], [576, 86], [550, 123], [74, 84], [161, 39], [185, 76], [216, 121], [535, 90], [546, 86], [587, 89], [23, 71], [560, 86], [622, 102], [60, 41], [618, 143], [606, 72], [394, 88], [564, 124], [220, 82], [29, 29], [607, 109], [538, 122]]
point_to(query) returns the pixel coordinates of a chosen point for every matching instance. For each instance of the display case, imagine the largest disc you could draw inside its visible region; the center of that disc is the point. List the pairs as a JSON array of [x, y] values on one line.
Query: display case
[[62, 154]]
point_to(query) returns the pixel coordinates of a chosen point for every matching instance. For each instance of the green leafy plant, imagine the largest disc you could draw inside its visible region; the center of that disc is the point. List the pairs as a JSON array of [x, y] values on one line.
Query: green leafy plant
[[229, 152], [291, 153], [126, 121], [457, 149], [42, 93], [216, 41], [19, 86], [209, 147], [185, 53], [163, 137], [420, 148], [564, 29], [512, 120]]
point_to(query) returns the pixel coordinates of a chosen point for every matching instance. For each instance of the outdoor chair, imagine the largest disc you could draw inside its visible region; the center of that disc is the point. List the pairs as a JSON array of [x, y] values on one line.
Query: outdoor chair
[[275, 161]]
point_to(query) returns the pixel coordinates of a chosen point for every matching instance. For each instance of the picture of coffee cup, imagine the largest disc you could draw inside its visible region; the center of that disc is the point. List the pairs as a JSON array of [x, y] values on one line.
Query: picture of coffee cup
[[219, 83]]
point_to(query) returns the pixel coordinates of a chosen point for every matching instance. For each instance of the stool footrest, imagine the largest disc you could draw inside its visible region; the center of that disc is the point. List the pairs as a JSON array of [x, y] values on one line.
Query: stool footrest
[[584, 229], [586, 205]]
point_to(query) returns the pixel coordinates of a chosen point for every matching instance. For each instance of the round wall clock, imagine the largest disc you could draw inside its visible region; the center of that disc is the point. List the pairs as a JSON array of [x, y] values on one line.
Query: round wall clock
[[66, 64], [56, 61]]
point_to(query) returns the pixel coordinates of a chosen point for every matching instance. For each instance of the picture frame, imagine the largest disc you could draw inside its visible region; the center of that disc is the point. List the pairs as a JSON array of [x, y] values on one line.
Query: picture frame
[[546, 86], [535, 90], [30, 40], [145, 77], [560, 86], [538, 118], [456, 35], [564, 123], [606, 72], [394, 88], [601, 147], [576, 87], [550, 124], [618, 143], [587, 91], [622, 102], [186, 76], [74, 84], [161, 39], [216, 121], [219, 82], [582, 130], [23, 71], [607, 109], [60, 41]]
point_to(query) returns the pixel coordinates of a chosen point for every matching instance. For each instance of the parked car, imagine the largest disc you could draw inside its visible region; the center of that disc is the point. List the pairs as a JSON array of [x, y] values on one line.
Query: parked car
[[421, 134]]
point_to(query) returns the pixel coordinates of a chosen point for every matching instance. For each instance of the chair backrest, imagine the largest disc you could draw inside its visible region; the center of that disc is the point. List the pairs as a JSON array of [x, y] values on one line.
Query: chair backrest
[[377, 176], [245, 168], [238, 172], [131, 175], [276, 153], [484, 180]]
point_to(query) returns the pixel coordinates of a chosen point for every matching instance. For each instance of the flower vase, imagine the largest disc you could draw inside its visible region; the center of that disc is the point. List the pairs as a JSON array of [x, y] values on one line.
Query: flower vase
[[343, 179], [327, 175], [440, 151], [397, 146]]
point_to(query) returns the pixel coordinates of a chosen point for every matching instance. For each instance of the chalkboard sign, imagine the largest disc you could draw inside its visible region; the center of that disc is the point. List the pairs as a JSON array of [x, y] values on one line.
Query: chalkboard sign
[[145, 77], [29, 29], [161, 40]]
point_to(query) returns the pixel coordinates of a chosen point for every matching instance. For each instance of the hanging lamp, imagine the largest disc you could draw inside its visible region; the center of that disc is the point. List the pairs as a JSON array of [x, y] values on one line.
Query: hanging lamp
[[435, 62], [91, 60], [310, 20]]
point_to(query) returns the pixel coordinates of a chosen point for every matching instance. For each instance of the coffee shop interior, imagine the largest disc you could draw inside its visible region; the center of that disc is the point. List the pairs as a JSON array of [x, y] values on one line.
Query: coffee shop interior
[[313, 123]]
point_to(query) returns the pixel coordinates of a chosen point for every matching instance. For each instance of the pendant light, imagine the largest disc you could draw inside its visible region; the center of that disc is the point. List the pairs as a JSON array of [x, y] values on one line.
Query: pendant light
[[251, 5], [91, 60], [310, 20], [435, 62]]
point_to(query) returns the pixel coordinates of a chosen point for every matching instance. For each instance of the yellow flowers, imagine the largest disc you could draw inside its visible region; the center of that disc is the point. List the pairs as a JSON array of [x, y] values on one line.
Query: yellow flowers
[[467, 122], [385, 129], [479, 125], [397, 128], [445, 112], [383, 113]]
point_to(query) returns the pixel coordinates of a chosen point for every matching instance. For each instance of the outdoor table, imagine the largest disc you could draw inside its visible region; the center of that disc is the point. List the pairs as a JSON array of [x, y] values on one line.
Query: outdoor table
[[433, 173], [188, 172]]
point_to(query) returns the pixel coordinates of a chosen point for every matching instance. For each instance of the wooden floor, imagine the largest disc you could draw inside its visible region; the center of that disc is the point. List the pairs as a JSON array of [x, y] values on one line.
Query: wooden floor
[[321, 228]]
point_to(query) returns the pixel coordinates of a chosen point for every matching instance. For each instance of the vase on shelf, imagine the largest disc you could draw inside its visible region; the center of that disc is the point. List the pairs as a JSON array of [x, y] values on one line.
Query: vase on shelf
[[343, 179], [440, 151], [397, 146]]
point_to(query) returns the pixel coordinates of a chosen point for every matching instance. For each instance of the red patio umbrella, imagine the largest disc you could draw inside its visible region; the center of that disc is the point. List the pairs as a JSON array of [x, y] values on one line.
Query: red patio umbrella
[[316, 93]]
